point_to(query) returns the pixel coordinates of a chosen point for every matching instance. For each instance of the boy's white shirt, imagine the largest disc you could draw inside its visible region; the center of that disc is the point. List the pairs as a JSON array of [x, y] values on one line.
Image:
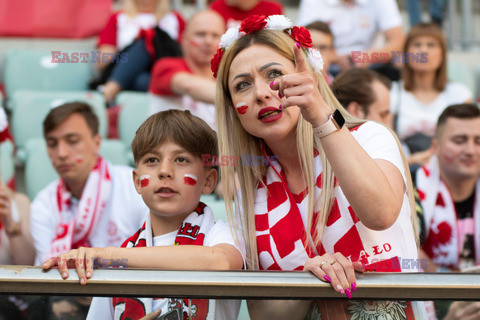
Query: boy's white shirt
[[102, 308]]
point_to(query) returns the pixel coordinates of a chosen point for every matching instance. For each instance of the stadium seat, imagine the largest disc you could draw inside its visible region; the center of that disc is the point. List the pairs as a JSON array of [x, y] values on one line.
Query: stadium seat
[[217, 206], [461, 72], [7, 161], [34, 70], [134, 110], [39, 172], [29, 108]]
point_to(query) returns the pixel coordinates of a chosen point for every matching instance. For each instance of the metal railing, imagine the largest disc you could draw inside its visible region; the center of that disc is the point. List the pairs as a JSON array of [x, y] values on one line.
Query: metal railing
[[237, 284]]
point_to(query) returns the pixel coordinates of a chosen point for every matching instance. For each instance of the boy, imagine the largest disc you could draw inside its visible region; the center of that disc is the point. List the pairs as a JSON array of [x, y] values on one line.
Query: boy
[[170, 177]]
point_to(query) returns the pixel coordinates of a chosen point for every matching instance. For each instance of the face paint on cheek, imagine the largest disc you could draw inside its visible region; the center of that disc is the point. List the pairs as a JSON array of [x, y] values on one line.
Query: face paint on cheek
[[196, 43], [190, 179], [144, 180], [242, 107], [79, 159], [448, 159]]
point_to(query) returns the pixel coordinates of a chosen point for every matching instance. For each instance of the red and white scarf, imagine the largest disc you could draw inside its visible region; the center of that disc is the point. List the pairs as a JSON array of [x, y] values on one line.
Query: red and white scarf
[[74, 232], [192, 232], [281, 243], [442, 242]]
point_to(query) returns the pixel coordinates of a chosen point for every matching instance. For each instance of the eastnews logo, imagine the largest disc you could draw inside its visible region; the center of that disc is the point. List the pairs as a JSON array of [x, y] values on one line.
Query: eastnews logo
[[384, 57], [86, 57], [244, 160]]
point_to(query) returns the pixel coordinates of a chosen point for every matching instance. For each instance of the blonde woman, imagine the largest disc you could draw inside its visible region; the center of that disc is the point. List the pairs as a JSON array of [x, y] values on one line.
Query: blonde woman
[[342, 179]]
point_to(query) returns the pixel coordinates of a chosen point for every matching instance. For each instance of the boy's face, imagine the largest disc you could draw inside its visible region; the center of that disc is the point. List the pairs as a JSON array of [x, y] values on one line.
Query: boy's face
[[171, 181]]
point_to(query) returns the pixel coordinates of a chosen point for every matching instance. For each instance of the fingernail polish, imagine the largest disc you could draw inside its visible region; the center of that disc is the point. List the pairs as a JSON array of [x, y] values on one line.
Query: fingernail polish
[[88, 274], [280, 95], [327, 278], [340, 289], [298, 45], [348, 293], [280, 107], [64, 275], [354, 287], [82, 281], [364, 266], [271, 83]]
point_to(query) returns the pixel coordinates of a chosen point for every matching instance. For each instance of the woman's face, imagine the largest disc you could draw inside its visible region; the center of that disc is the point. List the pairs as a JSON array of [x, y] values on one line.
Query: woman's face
[[256, 104], [426, 46]]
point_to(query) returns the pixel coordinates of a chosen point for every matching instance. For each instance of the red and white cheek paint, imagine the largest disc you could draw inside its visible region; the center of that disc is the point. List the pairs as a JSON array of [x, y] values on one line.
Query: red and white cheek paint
[[241, 107], [79, 159], [190, 179], [144, 180]]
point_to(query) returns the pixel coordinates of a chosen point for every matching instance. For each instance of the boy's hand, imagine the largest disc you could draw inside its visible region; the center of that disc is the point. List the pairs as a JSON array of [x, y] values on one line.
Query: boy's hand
[[81, 259]]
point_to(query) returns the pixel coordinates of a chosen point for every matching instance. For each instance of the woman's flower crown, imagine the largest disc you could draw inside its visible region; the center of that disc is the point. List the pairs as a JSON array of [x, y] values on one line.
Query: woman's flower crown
[[262, 22]]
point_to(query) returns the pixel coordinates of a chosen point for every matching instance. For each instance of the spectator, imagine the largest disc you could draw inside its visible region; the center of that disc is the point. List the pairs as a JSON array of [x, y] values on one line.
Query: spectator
[[354, 24], [449, 188], [87, 184], [364, 94], [171, 176], [424, 91], [322, 39], [340, 183], [145, 31], [189, 80], [234, 11]]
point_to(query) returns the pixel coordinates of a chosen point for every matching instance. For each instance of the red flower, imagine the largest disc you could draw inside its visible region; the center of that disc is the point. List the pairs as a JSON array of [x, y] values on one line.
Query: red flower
[[253, 23], [302, 36], [215, 62]]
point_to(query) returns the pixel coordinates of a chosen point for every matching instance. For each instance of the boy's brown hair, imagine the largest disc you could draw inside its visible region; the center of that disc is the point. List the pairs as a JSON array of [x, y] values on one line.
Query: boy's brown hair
[[58, 115], [180, 127]]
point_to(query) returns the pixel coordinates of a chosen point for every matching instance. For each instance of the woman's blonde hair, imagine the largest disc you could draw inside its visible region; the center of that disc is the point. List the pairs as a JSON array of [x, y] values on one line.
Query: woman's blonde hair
[[163, 7], [235, 141], [426, 30]]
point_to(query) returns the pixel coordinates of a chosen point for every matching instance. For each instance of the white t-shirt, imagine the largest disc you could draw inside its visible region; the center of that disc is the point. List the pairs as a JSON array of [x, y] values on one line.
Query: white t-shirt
[[124, 214], [355, 26], [101, 308], [414, 116]]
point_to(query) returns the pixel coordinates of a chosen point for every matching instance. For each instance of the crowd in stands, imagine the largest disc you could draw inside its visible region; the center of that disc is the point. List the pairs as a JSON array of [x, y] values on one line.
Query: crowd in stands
[[396, 158]]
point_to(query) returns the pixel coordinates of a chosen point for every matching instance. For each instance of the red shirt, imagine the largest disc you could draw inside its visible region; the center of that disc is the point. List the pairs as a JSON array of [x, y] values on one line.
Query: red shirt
[[233, 16], [163, 72], [109, 34]]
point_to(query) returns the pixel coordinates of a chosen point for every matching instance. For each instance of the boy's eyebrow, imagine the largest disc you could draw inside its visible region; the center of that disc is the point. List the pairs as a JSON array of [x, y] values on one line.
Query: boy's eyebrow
[[175, 152]]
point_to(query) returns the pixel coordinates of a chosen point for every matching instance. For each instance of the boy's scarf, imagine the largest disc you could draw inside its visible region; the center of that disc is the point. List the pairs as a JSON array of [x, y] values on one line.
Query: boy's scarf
[[75, 233], [442, 243], [192, 232]]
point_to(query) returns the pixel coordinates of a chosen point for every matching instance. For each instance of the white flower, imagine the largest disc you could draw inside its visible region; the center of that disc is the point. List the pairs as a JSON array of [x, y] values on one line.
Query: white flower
[[315, 59], [232, 35], [278, 22]]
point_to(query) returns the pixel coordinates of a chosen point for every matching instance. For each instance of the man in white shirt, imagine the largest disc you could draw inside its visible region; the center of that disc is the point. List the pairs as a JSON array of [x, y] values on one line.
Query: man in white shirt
[[355, 24], [93, 203]]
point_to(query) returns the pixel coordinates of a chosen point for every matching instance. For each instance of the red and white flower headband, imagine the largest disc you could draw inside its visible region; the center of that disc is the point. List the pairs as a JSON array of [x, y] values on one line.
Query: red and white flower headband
[[276, 22]]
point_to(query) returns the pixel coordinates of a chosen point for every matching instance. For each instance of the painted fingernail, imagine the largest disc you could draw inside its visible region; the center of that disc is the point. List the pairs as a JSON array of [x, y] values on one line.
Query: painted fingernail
[[327, 278], [348, 293], [280, 95], [364, 266], [298, 45], [64, 275], [271, 83], [82, 281], [280, 107], [89, 274], [340, 289], [354, 287]]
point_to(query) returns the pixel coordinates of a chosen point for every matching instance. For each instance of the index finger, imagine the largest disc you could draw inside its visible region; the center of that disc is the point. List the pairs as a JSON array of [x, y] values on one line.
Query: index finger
[[300, 63]]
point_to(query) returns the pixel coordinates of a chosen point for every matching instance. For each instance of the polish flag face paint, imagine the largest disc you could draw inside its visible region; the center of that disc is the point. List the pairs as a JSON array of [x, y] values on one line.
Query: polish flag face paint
[[190, 179], [241, 107], [79, 159], [144, 180]]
